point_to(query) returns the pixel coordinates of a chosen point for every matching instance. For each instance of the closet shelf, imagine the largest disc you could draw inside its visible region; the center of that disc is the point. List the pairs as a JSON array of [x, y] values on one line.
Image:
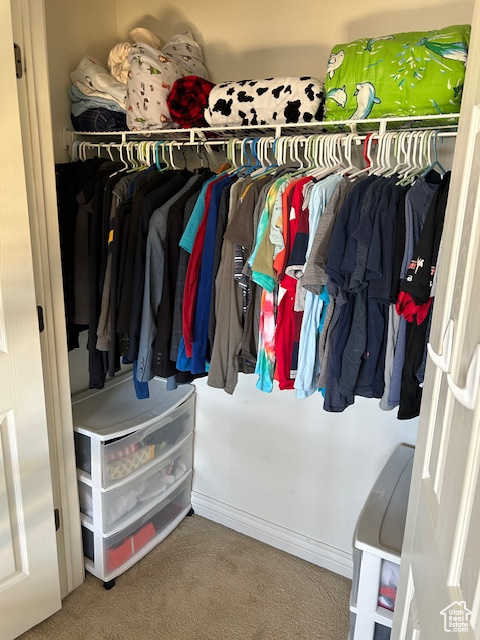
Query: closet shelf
[[444, 122]]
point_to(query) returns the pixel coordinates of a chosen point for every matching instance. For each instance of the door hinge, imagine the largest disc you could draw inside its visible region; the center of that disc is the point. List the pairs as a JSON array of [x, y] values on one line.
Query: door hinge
[[41, 323], [56, 514], [18, 60]]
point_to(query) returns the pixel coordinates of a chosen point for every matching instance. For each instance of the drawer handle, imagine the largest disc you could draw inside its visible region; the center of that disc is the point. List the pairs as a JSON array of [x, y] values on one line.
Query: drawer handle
[[156, 426], [443, 361], [468, 394]]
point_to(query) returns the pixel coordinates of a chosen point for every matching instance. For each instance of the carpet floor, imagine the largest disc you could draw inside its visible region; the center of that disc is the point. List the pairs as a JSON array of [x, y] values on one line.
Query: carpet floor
[[207, 582]]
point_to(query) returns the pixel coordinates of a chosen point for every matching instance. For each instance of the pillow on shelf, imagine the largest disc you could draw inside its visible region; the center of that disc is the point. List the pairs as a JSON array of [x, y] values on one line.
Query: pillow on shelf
[[272, 101], [405, 74], [118, 57], [151, 76]]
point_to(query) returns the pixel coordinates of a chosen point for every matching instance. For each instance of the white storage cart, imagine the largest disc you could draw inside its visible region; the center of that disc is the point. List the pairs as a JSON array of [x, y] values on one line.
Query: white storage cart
[[134, 468], [378, 539]]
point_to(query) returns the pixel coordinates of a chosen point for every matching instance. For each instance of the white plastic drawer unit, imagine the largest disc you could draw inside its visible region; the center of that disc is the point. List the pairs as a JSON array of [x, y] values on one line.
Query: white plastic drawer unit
[[118, 436], [109, 556], [130, 498]]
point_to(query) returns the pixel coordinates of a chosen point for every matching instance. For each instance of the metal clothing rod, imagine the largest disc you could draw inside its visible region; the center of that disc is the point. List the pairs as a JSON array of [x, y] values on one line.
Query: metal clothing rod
[[210, 134]]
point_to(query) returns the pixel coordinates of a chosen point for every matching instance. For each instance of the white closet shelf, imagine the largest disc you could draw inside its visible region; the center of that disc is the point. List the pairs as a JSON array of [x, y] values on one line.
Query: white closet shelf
[[444, 122]]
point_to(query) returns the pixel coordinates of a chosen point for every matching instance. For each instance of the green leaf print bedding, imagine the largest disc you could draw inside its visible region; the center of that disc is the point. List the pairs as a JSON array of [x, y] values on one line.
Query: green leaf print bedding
[[406, 74]]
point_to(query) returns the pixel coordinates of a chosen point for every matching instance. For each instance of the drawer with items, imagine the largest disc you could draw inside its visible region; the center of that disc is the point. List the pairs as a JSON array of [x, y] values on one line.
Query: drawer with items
[[109, 556], [134, 467], [114, 440], [125, 501]]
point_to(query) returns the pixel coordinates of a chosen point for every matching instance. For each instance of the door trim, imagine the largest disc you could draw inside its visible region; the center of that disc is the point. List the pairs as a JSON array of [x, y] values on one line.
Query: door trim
[[40, 163]]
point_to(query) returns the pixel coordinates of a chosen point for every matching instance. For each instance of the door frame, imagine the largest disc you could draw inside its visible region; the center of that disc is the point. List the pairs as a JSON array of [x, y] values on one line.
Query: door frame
[[39, 161]]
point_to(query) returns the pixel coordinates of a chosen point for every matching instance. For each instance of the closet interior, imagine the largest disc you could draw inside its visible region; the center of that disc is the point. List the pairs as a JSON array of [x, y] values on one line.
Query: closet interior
[[273, 466]]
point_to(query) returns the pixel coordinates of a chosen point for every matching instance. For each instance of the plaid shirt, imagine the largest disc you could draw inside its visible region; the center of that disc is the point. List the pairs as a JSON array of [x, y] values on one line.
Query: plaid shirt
[[100, 119]]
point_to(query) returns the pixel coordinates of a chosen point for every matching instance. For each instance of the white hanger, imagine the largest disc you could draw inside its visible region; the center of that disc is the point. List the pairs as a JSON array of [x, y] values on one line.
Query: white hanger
[[367, 150], [75, 148], [398, 153]]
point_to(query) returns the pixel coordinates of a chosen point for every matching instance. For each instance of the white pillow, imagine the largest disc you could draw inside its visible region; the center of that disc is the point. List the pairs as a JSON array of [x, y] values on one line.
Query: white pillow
[[118, 64], [151, 76]]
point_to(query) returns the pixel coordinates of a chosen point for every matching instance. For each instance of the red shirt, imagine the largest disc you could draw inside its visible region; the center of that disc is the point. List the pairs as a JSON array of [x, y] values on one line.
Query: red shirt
[[191, 279]]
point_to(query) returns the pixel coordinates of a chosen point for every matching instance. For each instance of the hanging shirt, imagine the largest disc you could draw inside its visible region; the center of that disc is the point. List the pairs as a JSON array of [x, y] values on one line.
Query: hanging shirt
[[163, 363], [417, 203], [153, 286], [193, 270], [289, 321], [308, 367], [205, 279], [261, 260]]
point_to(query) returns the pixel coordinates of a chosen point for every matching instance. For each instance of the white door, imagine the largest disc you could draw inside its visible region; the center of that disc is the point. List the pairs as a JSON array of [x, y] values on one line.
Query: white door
[[29, 584], [439, 590]]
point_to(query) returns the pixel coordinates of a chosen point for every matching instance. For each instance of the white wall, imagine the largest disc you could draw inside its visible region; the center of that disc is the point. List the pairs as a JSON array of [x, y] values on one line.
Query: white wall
[[74, 29], [270, 465], [260, 39]]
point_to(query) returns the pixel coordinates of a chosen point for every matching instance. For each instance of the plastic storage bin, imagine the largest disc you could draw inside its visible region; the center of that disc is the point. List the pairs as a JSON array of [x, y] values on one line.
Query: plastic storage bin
[[116, 434], [107, 557], [129, 499], [378, 538], [134, 466]]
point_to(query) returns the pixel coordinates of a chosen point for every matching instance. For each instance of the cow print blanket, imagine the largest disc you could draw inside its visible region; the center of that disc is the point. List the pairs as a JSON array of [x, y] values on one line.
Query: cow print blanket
[[265, 102]]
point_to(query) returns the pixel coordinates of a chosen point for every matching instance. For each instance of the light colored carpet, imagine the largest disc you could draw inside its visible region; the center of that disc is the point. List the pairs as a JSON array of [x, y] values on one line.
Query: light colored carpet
[[207, 582]]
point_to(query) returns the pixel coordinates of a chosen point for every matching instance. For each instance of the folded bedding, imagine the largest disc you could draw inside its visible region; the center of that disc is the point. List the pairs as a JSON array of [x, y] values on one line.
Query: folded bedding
[[93, 79], [405, 74], [265, 102], [81, 102], [188, 100]]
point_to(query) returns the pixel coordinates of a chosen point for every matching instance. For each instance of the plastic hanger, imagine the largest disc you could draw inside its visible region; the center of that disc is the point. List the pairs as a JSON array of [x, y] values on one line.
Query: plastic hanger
[[386, 153], [256, 164], [334, 153], [134, 165], [126, 166], [75, 150], [423, 156], [435, 164], [418, 159], [399, 154], [231, 159], [278, 150], [296, 156], [245, 160], [165, 158], [159, 155], [348, 152], [170, 148], [366, 156], [410, 145], [322, 166], [266, 165], [109, 151], [396, 154]]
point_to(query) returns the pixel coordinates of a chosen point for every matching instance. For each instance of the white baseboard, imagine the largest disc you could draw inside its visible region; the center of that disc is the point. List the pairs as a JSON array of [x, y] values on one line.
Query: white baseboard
[[276, 536]]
